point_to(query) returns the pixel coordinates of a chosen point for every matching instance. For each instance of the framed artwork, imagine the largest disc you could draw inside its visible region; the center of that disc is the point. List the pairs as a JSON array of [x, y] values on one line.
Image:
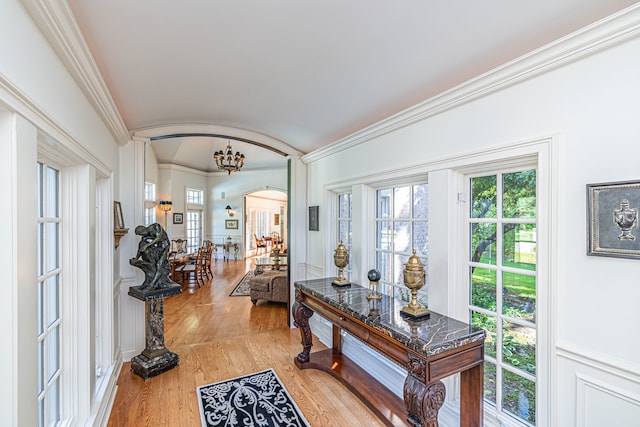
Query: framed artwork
[[276, 219], [177, 218], [231, 224], [313, 218], [118, 219], [613, 219]]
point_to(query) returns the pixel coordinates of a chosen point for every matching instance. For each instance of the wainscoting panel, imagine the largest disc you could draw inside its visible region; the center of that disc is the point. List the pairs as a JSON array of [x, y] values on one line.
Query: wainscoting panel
[[599, 403], [593, 391]]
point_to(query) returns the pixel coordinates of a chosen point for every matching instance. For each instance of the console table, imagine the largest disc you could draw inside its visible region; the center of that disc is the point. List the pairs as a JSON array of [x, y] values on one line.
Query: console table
[[430, 349], [226, 250]]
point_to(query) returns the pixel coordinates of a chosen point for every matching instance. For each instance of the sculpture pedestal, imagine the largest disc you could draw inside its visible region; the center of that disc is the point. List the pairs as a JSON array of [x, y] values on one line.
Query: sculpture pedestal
[[155, 358]]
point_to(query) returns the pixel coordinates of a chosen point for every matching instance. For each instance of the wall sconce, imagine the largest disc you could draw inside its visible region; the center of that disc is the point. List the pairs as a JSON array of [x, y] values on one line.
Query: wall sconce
[[165, 206], [229, 211]]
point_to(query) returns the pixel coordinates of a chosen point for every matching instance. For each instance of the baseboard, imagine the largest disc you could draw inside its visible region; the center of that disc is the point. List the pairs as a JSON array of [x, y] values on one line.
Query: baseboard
[[107, 394]]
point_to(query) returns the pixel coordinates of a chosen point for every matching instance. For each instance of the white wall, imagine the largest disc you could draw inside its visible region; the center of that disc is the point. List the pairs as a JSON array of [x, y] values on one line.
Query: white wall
[[591, 106], [44, 103]]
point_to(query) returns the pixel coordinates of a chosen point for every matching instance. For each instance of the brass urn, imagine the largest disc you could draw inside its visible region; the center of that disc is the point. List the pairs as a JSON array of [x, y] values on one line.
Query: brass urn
[[414, 279], [341, 260]]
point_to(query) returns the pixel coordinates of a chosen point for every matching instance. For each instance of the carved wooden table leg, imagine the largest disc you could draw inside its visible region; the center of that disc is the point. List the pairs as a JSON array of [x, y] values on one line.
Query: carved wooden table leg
[[423, 401], [301, 315]]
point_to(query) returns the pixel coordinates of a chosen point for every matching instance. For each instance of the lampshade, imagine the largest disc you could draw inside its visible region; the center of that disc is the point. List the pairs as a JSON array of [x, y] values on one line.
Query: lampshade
[[165, 205]]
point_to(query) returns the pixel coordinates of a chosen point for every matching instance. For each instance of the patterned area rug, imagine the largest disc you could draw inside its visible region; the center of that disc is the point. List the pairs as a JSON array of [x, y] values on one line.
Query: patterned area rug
[[242, 288], [254, 400]]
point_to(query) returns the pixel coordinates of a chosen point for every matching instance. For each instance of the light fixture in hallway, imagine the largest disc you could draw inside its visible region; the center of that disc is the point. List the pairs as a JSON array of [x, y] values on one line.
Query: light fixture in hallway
[[165, 206], [229, 162]]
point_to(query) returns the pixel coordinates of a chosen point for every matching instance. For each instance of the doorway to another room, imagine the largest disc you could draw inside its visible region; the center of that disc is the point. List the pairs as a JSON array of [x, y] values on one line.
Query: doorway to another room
[[265, 222]]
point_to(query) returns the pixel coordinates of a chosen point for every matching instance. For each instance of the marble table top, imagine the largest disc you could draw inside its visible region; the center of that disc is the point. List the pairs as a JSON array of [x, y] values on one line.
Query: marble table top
[[429, 336]]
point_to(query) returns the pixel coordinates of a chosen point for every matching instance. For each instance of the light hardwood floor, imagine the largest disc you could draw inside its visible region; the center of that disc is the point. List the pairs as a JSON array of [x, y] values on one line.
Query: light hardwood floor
[[219, 337]]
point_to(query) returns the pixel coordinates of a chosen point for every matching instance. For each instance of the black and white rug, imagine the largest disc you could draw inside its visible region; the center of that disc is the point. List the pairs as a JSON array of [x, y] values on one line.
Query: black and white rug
[[242, 288], [254, 400]]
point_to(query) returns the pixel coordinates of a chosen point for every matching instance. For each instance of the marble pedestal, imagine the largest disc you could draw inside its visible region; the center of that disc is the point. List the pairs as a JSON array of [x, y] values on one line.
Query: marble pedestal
[[155, 358]]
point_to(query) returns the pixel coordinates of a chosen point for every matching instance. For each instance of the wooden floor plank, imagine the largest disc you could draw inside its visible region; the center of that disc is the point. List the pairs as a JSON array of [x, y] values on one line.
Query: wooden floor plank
[[219, 337]]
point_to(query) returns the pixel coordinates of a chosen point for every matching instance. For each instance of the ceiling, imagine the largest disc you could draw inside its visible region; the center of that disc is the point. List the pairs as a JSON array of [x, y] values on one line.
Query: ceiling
[[300, 74]]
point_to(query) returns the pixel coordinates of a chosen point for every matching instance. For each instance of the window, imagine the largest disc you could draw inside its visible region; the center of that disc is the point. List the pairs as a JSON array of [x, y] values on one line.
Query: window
[[195, 197], [503, 287], [195, 206], [194, 230], [49, 295], [401, 227], [149, 203], [345, 227]]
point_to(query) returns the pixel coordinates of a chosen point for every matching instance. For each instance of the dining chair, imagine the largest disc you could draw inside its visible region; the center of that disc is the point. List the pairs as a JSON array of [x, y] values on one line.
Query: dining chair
[[179, 245], [195, 268], [208, 246], [260, 244]]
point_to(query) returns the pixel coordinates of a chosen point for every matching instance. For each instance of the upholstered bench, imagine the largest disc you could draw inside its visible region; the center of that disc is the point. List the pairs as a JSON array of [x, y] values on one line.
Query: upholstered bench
[[270, 286]]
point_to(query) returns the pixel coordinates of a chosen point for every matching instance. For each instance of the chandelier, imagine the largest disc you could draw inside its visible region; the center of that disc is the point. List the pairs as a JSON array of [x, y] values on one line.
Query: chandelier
[[228, 162]]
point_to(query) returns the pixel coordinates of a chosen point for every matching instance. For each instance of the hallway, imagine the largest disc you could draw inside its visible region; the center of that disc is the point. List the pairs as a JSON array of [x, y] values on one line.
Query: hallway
[[219, 337]]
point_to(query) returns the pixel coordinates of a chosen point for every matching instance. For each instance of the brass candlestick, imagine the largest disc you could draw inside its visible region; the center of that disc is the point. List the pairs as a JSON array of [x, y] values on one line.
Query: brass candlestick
[[341, 260], [414, 279], [374, 280]]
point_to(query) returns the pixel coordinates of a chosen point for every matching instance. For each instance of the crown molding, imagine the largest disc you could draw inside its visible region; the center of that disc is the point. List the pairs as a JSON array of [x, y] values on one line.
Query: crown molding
[[51, 133], [610, 31], [58, 25]]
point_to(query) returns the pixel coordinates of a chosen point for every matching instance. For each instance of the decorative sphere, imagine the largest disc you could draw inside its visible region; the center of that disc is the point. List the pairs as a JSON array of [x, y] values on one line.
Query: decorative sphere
[[373, 275]]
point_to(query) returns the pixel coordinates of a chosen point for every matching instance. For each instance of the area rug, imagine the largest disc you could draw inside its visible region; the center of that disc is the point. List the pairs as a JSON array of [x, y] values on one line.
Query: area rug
[[242, 288], [254, 400]]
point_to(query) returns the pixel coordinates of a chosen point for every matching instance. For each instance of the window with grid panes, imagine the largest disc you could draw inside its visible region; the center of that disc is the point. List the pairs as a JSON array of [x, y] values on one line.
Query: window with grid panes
[[194, 230], [195, 202], [49, 295], [502, 274], [401, 227], [195, 197], [149, 203], [345, 227]]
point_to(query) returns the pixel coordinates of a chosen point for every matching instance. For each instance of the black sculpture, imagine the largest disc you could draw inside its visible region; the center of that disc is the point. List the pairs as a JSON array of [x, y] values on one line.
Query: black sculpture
[[152, 259]]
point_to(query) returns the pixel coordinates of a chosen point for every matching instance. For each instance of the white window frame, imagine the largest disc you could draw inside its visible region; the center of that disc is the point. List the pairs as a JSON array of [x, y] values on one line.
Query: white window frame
[[44, 414], [194, 201], [539, 155], [150, 214], [500, 268], [399, 287], [347, 271]]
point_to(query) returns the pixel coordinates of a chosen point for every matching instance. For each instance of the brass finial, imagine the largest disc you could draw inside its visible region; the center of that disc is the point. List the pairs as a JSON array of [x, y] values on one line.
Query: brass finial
[[414, 279], [341, 260]]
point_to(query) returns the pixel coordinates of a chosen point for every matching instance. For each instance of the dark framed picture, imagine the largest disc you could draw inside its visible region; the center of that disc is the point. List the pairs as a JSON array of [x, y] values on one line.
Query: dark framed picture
[[313, 218], [613, 219], [177, 218], [231, 224], [118, 219]]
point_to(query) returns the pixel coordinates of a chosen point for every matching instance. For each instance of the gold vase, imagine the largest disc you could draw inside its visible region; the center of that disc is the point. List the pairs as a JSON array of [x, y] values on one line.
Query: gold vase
[[414, 279], [341, 260]]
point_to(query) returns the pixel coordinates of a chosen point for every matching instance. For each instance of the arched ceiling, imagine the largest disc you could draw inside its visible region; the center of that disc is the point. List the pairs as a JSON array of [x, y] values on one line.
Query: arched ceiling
[[304, 73]]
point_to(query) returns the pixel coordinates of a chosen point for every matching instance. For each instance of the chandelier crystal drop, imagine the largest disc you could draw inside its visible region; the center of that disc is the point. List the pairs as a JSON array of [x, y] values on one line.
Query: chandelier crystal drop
[[229, 162]]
